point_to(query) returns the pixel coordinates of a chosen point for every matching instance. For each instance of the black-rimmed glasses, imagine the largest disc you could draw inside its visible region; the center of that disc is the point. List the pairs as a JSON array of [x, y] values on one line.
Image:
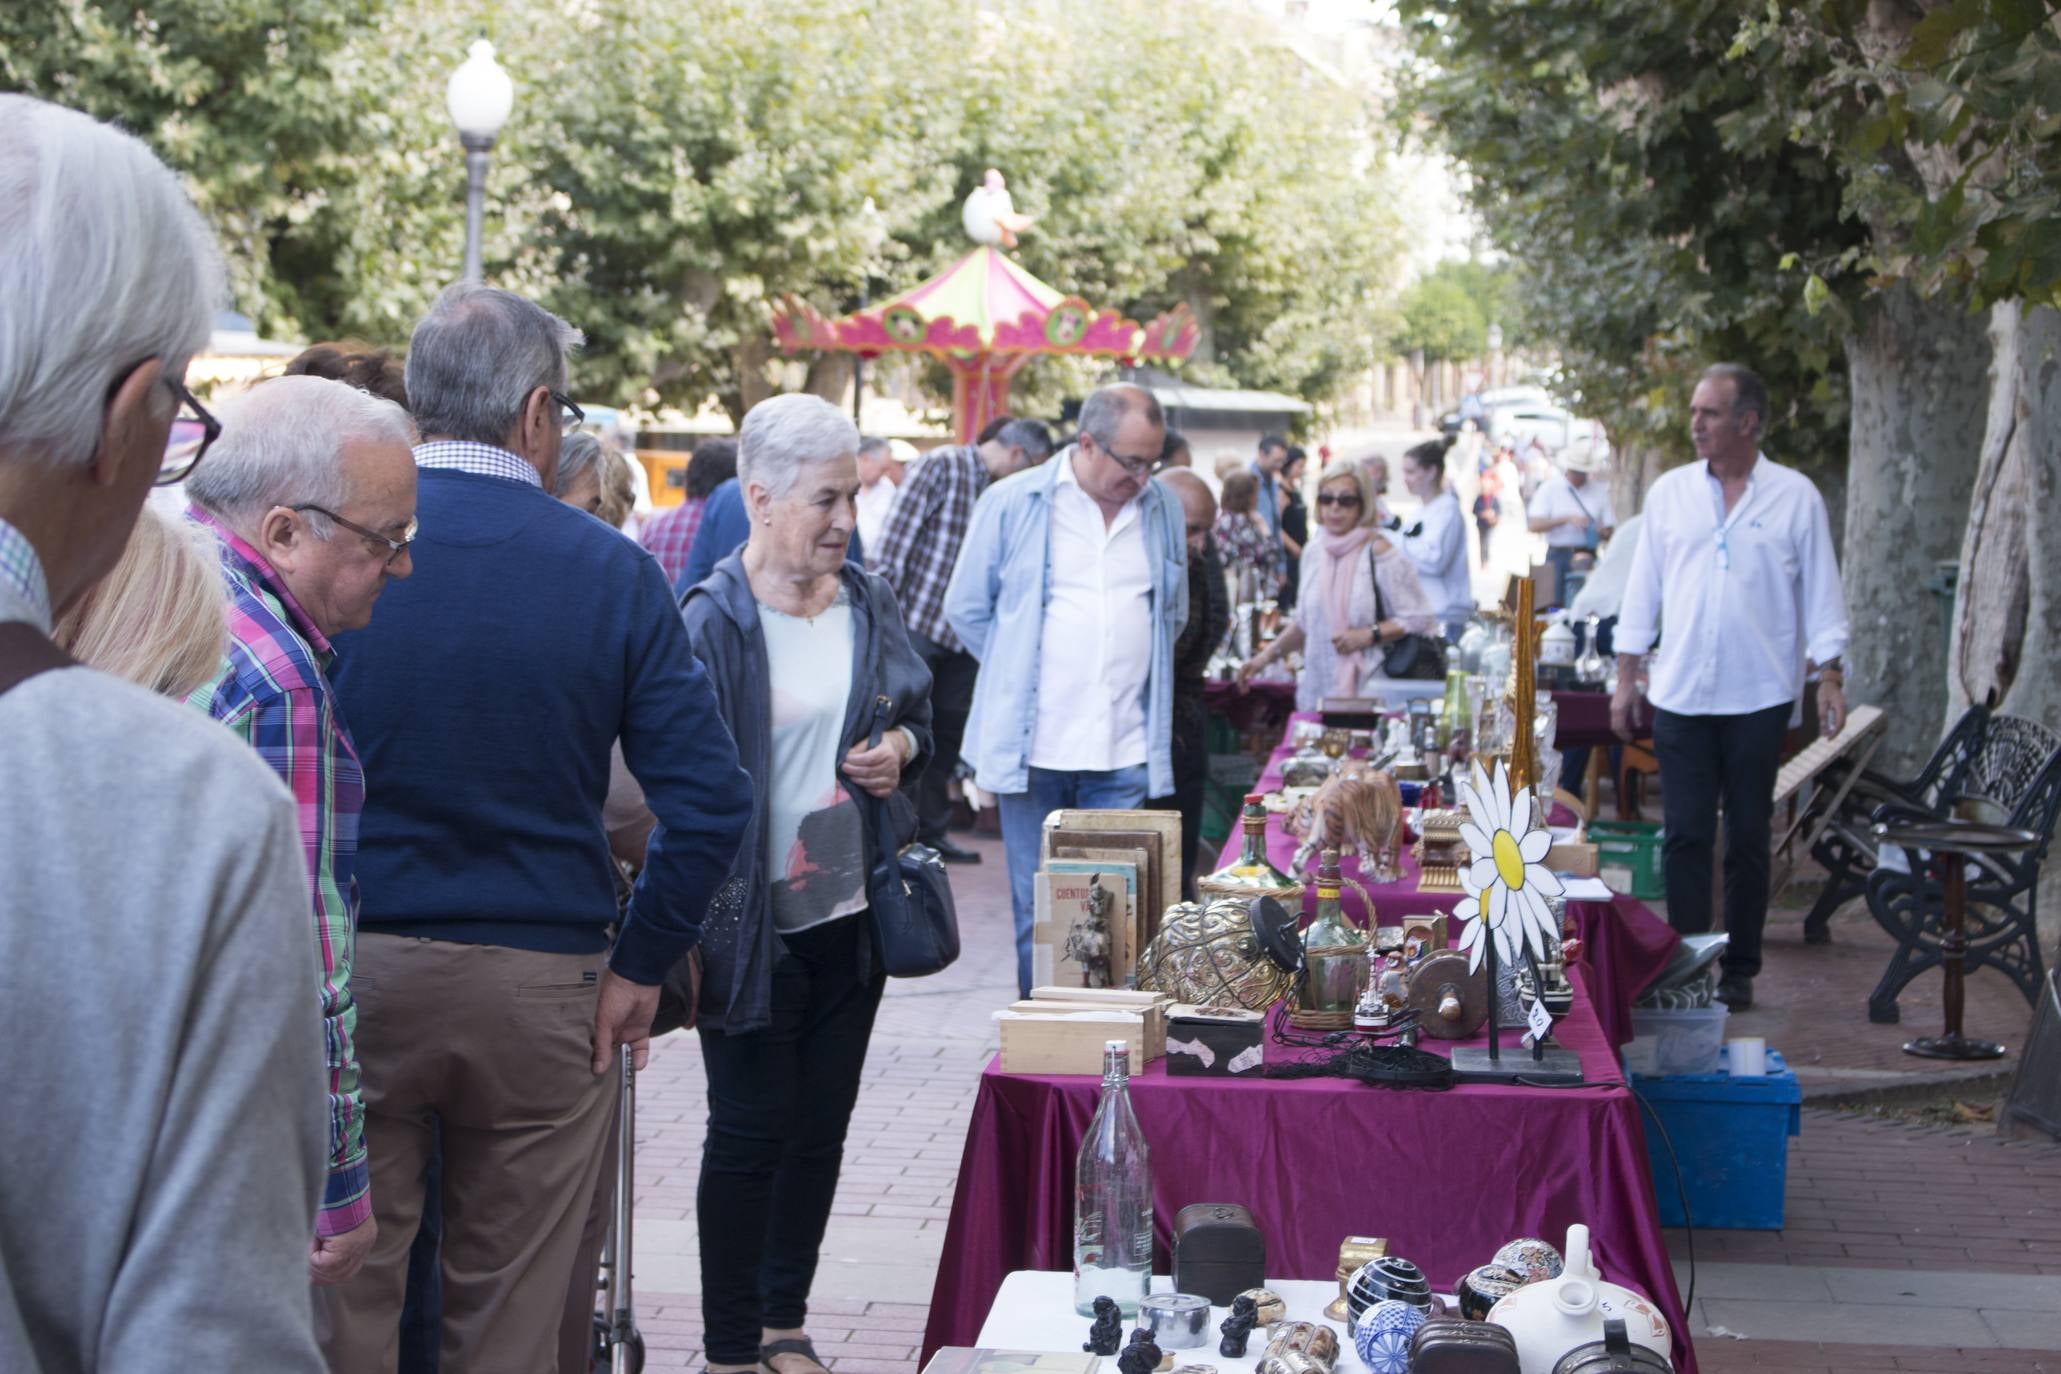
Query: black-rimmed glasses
[[193, 432], [570, 416], [1137, 467], [394, 547]]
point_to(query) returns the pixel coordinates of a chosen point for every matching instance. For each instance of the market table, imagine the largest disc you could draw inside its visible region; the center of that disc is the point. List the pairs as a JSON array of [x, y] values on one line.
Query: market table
[[1447, 1177], [1624, 945]]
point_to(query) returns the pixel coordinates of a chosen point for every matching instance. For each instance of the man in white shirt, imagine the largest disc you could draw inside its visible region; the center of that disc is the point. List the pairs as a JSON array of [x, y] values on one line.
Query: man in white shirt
[[1437, 541], [1071, 586], [1735, 564], [880, 476], [1570, 510]]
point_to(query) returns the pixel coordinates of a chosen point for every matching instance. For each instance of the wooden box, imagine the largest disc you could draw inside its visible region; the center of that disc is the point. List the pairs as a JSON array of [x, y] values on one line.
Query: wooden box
[[1151, 1005], [1069, 1040], [1576, 857]]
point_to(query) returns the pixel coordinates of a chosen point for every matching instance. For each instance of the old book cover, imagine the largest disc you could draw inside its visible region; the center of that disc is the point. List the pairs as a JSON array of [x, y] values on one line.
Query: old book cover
[[1156, 832], [959, 1359], [1129, 923], [1073, 931]]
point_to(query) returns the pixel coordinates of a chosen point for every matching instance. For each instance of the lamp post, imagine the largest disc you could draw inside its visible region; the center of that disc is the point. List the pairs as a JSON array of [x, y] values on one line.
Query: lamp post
[[479, 98], [1495, 355]]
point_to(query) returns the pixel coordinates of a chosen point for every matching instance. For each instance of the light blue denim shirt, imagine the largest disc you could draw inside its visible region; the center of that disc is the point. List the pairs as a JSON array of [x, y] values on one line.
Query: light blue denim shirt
[[996, 605]]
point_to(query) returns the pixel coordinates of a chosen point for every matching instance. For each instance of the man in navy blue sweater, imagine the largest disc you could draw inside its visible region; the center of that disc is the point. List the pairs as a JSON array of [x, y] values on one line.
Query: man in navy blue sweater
[[484, 704]]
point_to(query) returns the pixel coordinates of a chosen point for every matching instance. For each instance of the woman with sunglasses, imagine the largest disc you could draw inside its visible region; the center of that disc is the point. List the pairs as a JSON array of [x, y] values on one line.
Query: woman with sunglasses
[[1342, 616]]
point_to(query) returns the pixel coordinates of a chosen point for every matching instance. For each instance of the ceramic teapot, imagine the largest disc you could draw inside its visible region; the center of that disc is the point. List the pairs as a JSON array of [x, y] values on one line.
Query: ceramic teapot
[[1556, 646], [1551, 1318]]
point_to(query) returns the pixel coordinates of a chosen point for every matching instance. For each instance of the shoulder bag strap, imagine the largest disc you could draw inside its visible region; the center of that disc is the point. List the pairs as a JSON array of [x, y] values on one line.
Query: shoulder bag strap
[[25, 652]]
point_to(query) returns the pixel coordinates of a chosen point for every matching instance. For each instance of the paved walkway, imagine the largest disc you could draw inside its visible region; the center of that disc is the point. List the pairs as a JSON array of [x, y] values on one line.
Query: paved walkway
[[1906, 1248]]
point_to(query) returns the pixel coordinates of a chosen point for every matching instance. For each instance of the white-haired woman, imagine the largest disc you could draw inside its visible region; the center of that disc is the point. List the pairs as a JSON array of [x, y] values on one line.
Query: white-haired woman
[[826, 699], [1357, 592]]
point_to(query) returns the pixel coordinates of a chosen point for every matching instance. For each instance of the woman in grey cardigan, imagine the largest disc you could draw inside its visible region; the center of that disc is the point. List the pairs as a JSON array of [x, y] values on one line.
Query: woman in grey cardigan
[[829, 706]]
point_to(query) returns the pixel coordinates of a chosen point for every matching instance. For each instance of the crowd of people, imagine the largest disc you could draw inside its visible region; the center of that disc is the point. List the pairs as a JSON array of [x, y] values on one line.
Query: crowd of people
[[391, 792]]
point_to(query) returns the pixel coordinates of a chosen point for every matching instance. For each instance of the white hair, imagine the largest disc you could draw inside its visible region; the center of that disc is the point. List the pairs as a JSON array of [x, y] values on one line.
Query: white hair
[[106, 265], [476, 358], [783, 434], [282, 444]]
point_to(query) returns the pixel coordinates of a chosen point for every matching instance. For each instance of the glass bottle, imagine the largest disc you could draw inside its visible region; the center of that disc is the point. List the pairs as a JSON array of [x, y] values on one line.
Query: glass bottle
[[1333, 948], [1453, 719], [1112, 1198], [1254, 874]]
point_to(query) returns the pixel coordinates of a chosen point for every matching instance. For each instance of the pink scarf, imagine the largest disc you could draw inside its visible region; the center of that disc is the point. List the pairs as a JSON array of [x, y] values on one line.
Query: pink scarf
[[1344, 552]]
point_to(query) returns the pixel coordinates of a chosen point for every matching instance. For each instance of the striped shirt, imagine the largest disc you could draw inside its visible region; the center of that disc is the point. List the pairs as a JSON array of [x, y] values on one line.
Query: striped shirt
[[924, 531], [22, 570], [274, 693], [483, 460], [670, 536]]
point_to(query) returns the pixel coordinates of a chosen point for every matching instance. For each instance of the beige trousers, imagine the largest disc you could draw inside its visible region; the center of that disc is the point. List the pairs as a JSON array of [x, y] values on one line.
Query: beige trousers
[[498, 1043]]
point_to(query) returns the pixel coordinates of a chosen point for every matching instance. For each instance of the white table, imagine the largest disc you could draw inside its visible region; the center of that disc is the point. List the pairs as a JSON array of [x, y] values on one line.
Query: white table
[[1034, 1311]]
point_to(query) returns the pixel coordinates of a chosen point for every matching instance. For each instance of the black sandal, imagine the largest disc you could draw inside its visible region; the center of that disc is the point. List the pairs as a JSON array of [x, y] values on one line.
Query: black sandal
[[793, 1345]]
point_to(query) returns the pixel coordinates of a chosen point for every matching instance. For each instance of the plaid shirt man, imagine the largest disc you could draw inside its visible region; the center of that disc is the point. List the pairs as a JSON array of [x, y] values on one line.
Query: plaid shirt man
[[23, 571], [670, 535], [923, 534], [274, 693]]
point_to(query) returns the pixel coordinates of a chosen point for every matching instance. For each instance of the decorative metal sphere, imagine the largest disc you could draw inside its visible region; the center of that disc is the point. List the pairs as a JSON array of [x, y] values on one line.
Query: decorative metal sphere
[[1232, 952]]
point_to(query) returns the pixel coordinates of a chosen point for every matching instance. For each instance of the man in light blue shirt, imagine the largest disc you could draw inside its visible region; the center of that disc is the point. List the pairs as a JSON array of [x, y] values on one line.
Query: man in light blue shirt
[[1070, 589], [1273, 456]]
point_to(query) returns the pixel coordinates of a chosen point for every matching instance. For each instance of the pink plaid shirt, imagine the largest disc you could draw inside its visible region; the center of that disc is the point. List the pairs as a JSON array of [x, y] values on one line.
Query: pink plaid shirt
[[669, 536]]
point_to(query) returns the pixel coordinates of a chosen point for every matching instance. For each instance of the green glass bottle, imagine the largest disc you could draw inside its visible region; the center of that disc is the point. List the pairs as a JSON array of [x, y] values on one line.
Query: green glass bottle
[[1334, 949]]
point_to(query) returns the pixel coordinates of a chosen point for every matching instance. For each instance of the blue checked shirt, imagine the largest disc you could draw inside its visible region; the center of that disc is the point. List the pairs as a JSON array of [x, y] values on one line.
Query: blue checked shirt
[[483, 460], [23, 571]]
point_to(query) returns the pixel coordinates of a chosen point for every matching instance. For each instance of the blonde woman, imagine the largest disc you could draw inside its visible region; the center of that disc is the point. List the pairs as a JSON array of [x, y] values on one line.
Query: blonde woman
[[1336, 622], [159, 618]]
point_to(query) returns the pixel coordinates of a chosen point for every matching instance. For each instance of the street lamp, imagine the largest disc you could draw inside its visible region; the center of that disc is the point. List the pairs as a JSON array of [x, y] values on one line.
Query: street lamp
[[479, 98]]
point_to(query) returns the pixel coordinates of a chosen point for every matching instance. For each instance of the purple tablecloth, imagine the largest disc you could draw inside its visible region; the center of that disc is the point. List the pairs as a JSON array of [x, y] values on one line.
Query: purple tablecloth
[[1261, 702], [1584, 718], [1446, 1177], [1624, 945]]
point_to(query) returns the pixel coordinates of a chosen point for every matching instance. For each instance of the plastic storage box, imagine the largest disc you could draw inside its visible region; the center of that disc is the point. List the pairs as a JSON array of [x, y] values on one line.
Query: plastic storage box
[[1688, 1041], [1628, 857], [1731, 1138]]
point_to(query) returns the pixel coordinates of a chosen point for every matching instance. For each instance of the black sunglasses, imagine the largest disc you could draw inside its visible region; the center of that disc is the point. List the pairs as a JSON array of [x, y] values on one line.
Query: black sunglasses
[[570, 416], [1329, 498]]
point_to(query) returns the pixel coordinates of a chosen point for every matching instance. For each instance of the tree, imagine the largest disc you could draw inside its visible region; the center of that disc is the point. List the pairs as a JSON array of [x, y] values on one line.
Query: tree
[[1441, 317]]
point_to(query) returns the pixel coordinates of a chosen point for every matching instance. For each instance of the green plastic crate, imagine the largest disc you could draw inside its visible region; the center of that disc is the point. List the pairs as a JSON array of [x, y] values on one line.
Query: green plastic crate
[[1628, 857]]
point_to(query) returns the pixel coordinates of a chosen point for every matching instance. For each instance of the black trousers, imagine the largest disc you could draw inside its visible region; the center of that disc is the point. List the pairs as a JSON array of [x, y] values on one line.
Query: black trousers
[[1705, 761], [779, 1101], [1190, 742], [952, 672]]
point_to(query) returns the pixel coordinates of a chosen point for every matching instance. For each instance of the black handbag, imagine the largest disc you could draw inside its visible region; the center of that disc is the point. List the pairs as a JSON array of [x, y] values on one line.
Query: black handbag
[[1413, 656], [915, 924]]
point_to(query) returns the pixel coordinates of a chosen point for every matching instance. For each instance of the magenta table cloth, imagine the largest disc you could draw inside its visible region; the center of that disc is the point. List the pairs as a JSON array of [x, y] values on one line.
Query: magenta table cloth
[[1447, 1177], [1624, 945]]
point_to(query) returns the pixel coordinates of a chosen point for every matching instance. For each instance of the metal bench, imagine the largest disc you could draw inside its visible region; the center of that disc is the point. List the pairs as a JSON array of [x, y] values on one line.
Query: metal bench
[[2003, 768]]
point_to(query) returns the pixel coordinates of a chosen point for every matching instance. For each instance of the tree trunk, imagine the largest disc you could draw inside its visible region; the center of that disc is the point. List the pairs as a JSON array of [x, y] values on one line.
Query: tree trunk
[[2007, 614], [1918, 376]]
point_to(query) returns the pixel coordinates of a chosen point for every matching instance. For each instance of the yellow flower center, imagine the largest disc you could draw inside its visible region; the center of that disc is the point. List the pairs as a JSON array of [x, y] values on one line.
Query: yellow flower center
[[1509, 861]]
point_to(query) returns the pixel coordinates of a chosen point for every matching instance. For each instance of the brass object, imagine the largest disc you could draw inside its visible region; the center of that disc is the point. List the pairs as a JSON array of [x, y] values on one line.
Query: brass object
[[1524, 747], [1228, 952], [1353, 1252], [1451, 1003]]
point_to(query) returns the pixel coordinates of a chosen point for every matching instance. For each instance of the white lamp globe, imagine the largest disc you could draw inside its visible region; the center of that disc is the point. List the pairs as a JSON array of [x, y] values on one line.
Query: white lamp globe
[[480, 94]]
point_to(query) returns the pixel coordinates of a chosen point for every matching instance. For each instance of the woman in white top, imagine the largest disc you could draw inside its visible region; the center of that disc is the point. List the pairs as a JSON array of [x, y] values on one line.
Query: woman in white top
[[1336, 621]]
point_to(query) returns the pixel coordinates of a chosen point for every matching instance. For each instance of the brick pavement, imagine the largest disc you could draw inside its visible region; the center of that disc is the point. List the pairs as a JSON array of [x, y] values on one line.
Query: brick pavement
[[1863, 1194]]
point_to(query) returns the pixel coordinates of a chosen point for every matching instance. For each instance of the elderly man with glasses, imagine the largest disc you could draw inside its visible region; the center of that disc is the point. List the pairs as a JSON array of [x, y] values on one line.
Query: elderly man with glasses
[[295, 455], [1070, 588], [497, 982]]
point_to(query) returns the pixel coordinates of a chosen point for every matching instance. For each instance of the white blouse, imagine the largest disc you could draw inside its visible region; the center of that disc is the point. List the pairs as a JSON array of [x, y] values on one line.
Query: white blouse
[[1402, 597]]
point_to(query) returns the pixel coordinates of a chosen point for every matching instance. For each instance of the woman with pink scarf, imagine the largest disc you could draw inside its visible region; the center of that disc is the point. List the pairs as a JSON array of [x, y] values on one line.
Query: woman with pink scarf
[[1336, 622]]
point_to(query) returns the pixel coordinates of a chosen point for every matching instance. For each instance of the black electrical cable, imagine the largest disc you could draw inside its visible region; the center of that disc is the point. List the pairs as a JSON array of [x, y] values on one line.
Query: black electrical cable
[[1688, 1227]]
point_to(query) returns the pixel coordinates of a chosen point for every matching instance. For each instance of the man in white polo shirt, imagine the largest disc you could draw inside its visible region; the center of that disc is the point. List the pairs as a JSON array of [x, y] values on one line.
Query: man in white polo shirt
[[1572, 511], [1735, 566], [1070, 588]]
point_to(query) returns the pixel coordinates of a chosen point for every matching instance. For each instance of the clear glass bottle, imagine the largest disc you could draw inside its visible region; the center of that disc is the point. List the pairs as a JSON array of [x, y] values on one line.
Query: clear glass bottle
[[1333, 948], [1254, 874], [1112, 1198]]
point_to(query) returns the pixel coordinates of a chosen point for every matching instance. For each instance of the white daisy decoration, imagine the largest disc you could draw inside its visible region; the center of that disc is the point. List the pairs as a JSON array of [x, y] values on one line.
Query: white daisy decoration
[[1507, 884]]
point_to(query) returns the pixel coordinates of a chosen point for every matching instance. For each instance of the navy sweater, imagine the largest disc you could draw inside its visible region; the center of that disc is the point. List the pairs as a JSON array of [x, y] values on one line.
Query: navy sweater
[[483, 700]]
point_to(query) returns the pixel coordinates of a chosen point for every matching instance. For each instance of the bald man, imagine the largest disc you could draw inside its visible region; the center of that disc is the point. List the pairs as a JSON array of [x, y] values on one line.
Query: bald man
[[1209, 615]]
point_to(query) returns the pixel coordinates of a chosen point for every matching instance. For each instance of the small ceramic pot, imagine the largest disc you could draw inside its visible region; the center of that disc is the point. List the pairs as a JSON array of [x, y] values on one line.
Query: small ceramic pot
[[1484, 1287], [1381, 1279], [1553, 1317], [1533, 1260], [1385, 1332]]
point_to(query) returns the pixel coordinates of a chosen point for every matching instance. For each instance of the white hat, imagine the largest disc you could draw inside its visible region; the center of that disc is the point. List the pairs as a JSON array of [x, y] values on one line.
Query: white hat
[[1588, 452], [902, 451]]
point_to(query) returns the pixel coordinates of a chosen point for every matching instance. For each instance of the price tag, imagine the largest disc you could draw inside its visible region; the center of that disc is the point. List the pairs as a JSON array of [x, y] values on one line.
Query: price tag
[[1540, 1020]]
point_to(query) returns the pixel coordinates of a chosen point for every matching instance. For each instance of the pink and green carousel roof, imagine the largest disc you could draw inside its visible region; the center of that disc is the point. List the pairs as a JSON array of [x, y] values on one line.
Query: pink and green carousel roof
[[985, 304]]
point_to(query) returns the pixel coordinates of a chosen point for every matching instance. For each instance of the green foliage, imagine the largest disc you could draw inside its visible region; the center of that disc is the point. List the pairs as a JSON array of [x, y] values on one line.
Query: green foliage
[[1447, 311], [674, 166]]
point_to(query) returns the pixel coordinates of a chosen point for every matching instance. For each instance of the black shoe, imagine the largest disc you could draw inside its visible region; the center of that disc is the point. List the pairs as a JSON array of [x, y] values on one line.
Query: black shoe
[[1735, 990], [1817, 932], [952, 853]]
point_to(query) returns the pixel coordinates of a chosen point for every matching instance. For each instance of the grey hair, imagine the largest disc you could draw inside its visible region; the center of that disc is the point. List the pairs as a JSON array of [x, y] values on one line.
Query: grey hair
[[1029, 435], [282, 444], [107, 265], [782, 434], [1749, 392], [874, 444], [476, 357], [1103, 413], [579, 452]]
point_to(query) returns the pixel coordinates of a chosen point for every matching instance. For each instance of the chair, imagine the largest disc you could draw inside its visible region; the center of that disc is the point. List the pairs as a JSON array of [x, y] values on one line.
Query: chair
[[2012, 771], [1846, 841]]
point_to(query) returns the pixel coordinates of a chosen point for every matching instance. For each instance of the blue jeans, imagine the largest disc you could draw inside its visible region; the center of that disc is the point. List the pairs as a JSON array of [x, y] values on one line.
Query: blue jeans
[[1023, 825]]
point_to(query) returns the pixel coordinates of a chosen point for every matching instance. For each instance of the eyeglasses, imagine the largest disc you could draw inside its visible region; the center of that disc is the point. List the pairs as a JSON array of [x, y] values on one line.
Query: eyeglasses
[[570, 416], [1136, 467], [394, 547], [193, 432], [1328, 498]]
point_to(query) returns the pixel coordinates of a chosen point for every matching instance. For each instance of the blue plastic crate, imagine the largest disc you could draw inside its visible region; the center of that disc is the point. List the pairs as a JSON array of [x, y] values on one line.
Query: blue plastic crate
[[1731, 1138]]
